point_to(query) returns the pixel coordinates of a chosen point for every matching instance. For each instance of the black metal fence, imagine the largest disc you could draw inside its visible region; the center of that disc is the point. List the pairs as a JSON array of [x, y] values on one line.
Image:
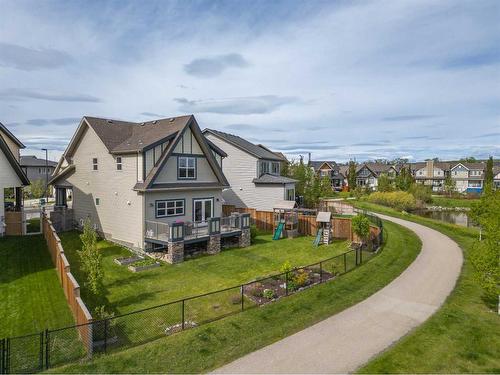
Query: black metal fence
[[51, 348]]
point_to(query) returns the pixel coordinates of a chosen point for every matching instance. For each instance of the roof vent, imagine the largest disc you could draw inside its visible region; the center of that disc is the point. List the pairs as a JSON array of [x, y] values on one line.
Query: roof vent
[[109, 121], [171, 120]]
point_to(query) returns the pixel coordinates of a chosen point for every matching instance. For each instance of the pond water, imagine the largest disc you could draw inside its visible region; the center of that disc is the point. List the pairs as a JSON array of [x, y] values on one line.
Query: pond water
[[454, 217]]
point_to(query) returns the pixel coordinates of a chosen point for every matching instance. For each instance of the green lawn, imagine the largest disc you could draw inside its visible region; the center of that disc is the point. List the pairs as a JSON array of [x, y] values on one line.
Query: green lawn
[[462, 337], [212, 345], [31, 296], [453, 202], [127, 291]]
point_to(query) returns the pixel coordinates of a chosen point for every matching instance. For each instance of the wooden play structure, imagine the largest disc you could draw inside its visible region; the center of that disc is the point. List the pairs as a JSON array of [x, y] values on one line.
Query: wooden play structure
[[286, 220], [324, 233]]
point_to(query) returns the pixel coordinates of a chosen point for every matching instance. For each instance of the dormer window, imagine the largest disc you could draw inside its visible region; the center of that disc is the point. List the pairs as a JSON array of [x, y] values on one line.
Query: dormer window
[[186, 167], [95, 166]]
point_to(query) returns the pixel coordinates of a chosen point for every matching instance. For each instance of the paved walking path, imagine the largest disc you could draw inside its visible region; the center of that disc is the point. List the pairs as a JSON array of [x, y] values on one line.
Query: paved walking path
[[346, 341]]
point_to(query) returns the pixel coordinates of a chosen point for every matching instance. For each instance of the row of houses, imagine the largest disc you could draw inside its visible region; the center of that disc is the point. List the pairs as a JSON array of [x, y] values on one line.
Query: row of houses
[[468, 177]]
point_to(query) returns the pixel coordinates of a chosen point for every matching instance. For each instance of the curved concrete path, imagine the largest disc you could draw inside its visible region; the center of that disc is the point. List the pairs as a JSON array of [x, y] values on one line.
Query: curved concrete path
[[346, 341]]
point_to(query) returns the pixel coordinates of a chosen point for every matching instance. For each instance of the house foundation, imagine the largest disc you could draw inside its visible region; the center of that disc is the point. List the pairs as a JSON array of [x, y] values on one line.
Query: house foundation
[[175, 252], [214, 244]]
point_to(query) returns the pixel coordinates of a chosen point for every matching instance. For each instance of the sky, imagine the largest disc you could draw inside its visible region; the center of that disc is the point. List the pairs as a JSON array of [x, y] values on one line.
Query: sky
[[340, 79]]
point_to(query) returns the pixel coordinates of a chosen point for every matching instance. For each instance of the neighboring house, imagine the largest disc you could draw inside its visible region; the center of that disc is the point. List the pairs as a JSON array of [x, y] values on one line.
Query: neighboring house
[[431, 173], [331, 170], [367, 174], [253, 171], [468, 177], [11, 174], [496, 176], [37, 169], [155, 185]]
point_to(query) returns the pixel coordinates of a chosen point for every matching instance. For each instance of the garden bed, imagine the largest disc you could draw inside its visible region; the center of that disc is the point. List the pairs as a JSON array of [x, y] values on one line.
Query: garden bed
[[127, 260], [143, 265], [273, 288]]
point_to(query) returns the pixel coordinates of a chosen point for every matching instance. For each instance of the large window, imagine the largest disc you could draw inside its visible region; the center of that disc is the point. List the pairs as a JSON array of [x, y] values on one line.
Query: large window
[[290, 194], [169, 208], [186, 167], [271, 167]]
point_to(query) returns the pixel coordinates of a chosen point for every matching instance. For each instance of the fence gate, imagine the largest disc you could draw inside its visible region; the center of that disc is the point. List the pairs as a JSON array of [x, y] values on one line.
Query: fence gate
[[32, 220], [14, 225]]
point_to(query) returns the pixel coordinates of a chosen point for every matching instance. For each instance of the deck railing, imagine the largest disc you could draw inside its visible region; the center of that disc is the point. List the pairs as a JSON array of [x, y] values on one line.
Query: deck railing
[[189, 230]]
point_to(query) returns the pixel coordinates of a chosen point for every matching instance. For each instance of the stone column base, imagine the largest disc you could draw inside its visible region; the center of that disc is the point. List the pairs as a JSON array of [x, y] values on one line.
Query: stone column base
[[245, 239], [175, 252], [213, 245]]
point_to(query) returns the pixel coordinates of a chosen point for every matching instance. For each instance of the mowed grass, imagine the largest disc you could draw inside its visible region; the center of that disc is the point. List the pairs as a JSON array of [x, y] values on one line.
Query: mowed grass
[[462, 337], [126, 291], [453, 202], [31, 296], [212, 345]]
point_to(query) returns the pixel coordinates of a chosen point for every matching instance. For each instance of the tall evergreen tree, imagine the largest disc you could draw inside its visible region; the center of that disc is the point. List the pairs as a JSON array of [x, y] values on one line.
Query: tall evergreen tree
[[351, 178]]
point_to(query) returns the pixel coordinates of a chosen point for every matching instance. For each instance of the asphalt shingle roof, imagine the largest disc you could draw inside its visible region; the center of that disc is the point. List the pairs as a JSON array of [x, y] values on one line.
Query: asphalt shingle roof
[[256, 150], [33, 161], [272, 179]]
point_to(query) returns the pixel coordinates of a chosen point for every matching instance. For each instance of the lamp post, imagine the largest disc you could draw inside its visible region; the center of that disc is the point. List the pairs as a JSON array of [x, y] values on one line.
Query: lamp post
[[46, 174]]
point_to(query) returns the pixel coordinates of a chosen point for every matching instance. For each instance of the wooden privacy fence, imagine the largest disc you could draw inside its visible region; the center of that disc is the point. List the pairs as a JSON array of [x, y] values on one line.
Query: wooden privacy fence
[[69, 284], [342, 227]]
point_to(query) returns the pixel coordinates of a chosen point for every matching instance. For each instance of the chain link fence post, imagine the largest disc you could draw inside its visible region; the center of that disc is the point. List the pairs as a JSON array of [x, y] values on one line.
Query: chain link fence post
[[320, 272], [183, 314], [286, 283], [242, 297], [47, 349]]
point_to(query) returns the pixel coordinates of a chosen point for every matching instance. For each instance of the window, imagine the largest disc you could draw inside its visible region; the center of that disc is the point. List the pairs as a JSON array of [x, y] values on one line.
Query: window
[[95, 166], [264, 167], [275, 168], [186, 167], [323, 173], [474, 184], [170, 208], [290, 194], [119, 165], [97, 201]]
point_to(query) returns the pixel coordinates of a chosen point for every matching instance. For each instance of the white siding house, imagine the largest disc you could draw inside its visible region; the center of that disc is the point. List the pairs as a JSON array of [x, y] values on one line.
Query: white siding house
[[11, 174], [253, 173]]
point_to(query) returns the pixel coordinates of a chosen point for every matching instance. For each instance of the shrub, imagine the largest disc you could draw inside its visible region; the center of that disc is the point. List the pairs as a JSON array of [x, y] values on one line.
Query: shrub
[[300, 278], [286, 267], [361, 226], [421, 193], [399, 200], [253, 233], [268, 293]]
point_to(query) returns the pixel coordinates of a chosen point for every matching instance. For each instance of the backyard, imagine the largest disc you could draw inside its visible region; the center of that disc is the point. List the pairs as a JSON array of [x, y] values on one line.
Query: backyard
[[211, 345], [32, 297], [126, 291]]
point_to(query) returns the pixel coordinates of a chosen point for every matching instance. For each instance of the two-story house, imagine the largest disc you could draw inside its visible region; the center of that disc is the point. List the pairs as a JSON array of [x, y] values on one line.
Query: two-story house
[[331, 170], [12, 176], [468, 177], [367, 174], [431, 173], [37, 169], [253, 172], [154, 186], [496, 176]]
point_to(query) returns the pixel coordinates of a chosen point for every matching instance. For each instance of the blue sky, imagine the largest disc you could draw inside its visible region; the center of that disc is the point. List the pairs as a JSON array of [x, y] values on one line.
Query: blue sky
[[340, 79]]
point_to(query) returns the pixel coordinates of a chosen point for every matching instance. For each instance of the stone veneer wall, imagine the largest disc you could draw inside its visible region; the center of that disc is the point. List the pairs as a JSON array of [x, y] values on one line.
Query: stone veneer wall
[[245, 239]]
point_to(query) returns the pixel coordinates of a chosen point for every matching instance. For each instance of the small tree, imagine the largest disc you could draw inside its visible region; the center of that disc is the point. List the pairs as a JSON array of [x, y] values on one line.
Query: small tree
[[351, 178], [404, 179], [361, 227], [91, 260], [488, 175], [37, 189], [384, 183], [449, 185]]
